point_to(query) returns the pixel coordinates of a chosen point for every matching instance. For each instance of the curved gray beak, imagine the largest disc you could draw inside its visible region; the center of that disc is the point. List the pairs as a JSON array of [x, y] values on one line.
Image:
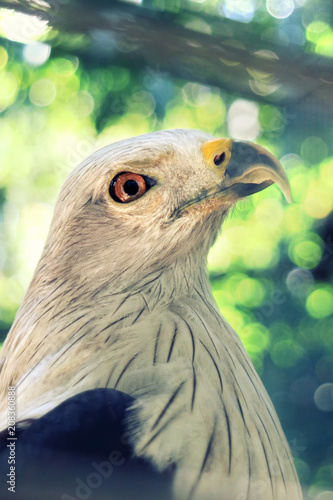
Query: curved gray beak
[[245, 167]]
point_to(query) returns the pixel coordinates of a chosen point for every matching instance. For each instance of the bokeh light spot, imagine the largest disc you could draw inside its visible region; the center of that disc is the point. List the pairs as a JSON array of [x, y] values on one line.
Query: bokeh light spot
[[196, 94], [250, 292], [259, 256], [36, 53], [120, 78], [315, 29], [82, 104], [325, 495], [280, 8], [324, 45], [243, 120], [286, 353], [197, 24], [271, 119], [318, 203], [319, 303], [306, 250], [239, 10], [324, 397], [64, 67], [263, 83], [43, 92], [299, 281], [255, 338]]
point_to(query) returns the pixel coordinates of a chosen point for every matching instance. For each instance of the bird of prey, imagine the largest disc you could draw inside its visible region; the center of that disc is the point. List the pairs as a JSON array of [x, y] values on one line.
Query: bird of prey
[[120, 316]]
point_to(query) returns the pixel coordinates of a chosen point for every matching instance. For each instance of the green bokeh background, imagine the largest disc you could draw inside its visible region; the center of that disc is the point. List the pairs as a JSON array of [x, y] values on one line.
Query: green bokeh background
[[272, 267]]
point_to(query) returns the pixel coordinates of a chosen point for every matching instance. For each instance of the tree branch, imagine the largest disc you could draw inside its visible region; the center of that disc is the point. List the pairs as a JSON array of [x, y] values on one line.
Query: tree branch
[[137, 36]]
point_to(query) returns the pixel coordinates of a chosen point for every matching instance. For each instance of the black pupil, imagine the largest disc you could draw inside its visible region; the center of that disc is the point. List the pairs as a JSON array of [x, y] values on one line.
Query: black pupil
[[131, 187]]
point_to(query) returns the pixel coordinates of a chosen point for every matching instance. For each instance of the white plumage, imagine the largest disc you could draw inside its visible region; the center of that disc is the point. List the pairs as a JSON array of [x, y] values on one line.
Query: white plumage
[[121, 299]]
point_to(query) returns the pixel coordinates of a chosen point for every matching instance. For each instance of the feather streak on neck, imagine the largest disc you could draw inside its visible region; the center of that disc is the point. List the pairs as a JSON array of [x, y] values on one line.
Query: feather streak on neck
[[59, 327]]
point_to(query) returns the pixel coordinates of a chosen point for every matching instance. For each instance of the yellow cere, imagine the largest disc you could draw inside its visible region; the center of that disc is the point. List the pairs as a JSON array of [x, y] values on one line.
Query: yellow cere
[[216, 147]]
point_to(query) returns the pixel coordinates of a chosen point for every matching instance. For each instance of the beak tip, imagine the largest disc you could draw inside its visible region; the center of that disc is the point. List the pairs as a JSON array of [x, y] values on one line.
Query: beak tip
[[285, 188], [288, 196]]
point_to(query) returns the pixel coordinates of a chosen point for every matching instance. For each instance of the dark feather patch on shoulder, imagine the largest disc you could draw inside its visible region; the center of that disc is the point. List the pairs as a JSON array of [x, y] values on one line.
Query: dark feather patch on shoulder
[[79, 450]]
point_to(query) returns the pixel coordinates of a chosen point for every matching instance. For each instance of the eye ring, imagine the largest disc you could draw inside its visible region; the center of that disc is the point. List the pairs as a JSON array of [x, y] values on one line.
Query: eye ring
[[128, 186]]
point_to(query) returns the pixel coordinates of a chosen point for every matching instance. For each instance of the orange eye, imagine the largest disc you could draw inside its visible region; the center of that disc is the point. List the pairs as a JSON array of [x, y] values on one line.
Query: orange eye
[[127, 186]]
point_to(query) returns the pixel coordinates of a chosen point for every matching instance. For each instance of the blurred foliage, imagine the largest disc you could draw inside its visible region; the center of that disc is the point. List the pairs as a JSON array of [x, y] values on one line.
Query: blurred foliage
[[271, 268]]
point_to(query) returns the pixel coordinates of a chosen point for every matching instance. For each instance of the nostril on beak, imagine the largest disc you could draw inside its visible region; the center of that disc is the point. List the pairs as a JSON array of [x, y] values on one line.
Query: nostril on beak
[[219, 159]]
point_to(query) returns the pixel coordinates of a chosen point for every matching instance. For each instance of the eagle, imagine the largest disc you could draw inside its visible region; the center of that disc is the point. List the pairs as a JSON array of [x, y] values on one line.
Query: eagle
[[119, 336]]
